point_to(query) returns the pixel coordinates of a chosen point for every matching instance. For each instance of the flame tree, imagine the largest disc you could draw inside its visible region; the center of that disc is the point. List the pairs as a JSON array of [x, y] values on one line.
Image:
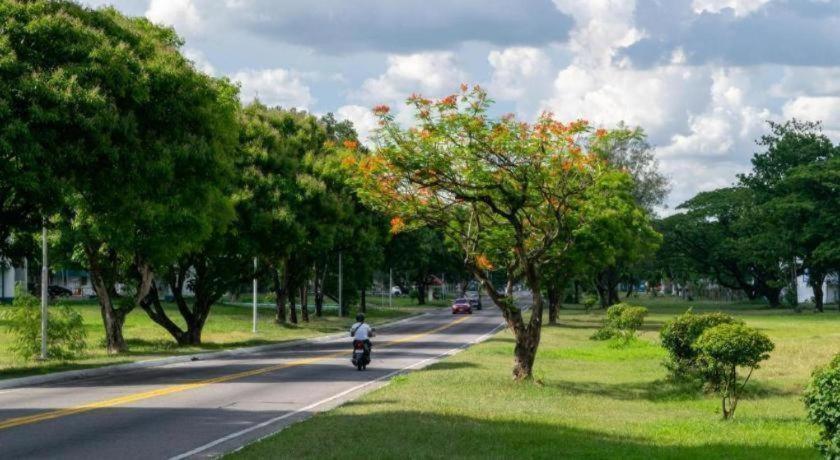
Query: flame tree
[[510, 195]]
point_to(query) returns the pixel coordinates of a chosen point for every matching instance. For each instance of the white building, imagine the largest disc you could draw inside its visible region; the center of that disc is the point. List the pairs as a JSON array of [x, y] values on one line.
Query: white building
[[9, 277], [831, 289]]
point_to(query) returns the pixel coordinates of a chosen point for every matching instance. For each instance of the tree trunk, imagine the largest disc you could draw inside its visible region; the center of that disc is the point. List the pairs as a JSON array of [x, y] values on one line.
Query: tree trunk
[[293, 318], [363, 301], [304, 303], [816, 281], [577, 292], [555, 298], [421, 292], [280, 295], [319, 291], [773, 296]]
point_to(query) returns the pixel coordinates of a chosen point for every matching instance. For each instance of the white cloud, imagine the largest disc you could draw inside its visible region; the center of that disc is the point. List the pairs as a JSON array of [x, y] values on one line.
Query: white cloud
[[739, 7], [181, 14], [432, 74], [515, 70], [362, 118], [601, 28], [274, 87], [728, 124], [825, 109], [200, 61]]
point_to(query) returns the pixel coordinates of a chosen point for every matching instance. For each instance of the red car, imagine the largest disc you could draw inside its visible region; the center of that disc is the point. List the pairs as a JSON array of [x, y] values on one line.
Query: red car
[[461, 306]]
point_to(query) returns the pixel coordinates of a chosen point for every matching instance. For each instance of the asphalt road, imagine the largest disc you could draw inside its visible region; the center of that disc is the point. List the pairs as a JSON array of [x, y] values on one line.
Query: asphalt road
[[205, 408]]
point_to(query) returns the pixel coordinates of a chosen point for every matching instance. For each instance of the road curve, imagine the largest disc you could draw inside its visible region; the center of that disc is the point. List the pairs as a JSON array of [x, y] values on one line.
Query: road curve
[[205, 408]]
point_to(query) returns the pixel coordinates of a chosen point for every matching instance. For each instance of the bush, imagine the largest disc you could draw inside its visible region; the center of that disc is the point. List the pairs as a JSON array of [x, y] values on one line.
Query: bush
[[822, 397], [622, 322], [65, 334], [589, 302], [722, 350], [678, 337]]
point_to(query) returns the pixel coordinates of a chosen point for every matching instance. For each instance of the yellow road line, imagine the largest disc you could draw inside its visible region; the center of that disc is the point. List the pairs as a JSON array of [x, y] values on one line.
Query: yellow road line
[[30, 419]]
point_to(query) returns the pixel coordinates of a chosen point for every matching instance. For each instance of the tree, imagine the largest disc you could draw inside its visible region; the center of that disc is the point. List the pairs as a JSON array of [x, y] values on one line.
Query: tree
[[731, 240], [822, 398], [140, 139], [809, 206], [419, 256], [504, 192], [631, 239], [723, 349], [795, 182]]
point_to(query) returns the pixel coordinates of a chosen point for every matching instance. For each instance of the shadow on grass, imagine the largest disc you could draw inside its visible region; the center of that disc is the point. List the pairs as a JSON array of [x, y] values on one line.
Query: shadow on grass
[[49, 368], [448, 366], [393, 434], [660, 390]]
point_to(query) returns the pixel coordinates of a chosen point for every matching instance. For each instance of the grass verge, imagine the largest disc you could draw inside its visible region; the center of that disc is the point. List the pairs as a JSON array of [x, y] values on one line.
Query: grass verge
[[593, 401], [229, 326]]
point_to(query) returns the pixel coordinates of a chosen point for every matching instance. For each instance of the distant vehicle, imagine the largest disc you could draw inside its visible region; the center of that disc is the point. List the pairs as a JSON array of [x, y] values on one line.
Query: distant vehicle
[[396, 291], [58, 291], [475, 301], [461, 306]]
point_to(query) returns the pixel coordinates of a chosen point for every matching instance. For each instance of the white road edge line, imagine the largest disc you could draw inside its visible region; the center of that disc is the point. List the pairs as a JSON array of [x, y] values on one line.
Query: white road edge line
[[266, 423]]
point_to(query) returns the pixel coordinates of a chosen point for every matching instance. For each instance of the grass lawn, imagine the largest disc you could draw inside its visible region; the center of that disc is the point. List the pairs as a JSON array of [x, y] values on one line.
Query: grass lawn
[[228, 327], [593, 401]]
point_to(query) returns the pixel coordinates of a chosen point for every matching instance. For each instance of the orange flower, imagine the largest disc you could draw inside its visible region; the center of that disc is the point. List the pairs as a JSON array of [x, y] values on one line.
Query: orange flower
[[348, 161], [449, 101], [464, 87], [482, 262], [351, 145], [397, 225], [424, 134], [600, 132], [381, 110]]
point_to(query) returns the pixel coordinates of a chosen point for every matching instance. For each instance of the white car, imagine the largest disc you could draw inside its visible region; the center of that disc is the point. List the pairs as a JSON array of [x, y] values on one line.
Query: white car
[[396, 291]]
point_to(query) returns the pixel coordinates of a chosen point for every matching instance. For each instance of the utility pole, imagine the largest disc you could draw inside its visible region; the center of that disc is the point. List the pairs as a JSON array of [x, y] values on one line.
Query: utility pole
[[340, 303], [390, 287], [44, 281], [254, 327]]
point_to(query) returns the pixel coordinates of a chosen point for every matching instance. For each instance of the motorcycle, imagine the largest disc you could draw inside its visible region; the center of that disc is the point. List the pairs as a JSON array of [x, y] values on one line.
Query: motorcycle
[[361, 355]]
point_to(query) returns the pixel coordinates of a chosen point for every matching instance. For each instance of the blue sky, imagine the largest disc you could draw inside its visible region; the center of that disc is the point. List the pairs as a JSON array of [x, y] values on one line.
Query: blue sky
[[700, 76]]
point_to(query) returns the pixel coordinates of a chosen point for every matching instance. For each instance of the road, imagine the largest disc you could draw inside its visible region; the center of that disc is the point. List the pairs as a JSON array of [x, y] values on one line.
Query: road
[[205, 408]]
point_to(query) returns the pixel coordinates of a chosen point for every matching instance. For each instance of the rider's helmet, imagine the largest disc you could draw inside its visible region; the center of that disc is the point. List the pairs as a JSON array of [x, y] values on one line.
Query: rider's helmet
[[360, 318]]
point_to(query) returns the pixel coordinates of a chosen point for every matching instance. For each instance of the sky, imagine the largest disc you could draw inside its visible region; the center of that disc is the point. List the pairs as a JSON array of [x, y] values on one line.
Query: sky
[[702, 77]]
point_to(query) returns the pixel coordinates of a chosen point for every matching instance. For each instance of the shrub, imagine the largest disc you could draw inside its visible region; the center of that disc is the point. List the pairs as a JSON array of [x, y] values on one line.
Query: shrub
[[65, 334], [678, 337], [622, 322], [822, 397], [722, 350], [589, 302]]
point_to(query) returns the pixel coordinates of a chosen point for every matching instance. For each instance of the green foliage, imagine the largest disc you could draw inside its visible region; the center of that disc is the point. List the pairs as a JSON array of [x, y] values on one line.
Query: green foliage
[[678, 336], [621, 323], [723, 349], [822, 398], [65, 332], [589, 302]]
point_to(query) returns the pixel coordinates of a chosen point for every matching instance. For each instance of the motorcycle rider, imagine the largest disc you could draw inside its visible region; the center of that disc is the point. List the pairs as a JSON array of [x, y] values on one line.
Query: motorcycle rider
[[362, 331]]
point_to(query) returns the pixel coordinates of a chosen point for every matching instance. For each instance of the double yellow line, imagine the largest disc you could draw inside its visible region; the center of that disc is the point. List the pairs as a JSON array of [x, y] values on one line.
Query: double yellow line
[[30, 419]]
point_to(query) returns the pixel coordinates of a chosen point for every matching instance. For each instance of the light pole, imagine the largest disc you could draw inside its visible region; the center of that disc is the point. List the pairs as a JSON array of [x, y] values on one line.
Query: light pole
[[340, 311], [390, 287], [254, 327], [44, 282]]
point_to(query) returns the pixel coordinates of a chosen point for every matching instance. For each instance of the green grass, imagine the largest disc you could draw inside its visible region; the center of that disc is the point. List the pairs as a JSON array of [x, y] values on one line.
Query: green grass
[[228, 327], [592, 400]]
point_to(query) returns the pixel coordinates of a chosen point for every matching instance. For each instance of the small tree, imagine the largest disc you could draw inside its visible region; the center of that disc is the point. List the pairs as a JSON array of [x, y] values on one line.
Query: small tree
[[678, 337], [725, 348], [621, 323], [65, 334], [509, 195], [822, 397]]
